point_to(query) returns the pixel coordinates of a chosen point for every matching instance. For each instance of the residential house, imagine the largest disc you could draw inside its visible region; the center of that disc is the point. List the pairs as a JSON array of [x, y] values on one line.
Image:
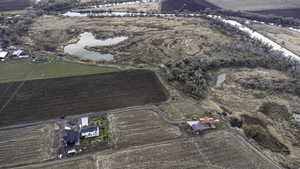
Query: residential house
[[89, 131], [3, 55]]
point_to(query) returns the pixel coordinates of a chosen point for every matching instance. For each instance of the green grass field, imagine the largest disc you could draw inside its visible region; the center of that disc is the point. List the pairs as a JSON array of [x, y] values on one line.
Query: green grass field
[[16, 12], [26, 70]]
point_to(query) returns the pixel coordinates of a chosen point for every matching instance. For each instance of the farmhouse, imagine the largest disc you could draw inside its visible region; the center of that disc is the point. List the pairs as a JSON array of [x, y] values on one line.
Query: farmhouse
[[89, 131], [3, 55], [196, 126]]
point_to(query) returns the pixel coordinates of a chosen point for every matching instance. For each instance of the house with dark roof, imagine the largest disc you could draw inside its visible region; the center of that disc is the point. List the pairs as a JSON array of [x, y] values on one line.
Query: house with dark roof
[[89, 131], [71, 138]]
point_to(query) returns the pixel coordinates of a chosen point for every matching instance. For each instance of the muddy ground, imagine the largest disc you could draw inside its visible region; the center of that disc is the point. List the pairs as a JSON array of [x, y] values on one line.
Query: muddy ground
[[28, 145]]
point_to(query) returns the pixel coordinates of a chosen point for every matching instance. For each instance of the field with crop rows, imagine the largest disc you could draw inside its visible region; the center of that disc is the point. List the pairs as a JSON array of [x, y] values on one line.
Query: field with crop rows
[[139, 127], [7, 5], [36, 100], [214, 150], [27, 145]]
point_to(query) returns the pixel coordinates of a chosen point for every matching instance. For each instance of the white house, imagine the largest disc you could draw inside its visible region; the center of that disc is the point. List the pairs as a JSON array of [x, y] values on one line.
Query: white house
[[296, 115], [89, 131], [3, 55]]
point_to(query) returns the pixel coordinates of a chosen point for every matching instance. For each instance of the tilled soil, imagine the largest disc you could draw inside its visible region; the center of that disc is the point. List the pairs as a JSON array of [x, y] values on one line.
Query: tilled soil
[[37, 100]]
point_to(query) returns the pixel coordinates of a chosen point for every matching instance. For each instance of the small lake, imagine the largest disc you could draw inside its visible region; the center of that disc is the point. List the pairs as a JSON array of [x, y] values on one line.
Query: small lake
[[87, 39]]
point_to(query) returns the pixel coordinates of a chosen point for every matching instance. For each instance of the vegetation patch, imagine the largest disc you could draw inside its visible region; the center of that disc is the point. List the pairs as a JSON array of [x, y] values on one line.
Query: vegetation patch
[[275, 110], [263, 137]]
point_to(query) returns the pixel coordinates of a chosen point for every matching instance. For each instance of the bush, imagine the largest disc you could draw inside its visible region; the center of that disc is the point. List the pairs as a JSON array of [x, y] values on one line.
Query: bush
[[274, 110], [265, 139]]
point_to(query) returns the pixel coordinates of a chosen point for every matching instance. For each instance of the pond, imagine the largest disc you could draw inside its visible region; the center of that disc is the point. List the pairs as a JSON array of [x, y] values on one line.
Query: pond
[[87, 39]]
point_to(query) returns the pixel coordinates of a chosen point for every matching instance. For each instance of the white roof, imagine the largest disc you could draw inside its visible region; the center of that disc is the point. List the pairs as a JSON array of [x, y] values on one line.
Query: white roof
[[191, 123], [3, 54], [17, 52], [85, 121]]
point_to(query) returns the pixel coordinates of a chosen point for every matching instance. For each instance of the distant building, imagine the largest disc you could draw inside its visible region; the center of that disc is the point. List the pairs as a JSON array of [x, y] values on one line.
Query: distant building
[[39, 59], [17, 52], [84, 121], [89, 131], [3, 55], [296, 115], [196, 126]]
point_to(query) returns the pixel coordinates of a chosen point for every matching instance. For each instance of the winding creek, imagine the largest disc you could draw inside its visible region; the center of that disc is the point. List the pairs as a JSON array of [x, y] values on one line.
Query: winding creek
[[87, 39]]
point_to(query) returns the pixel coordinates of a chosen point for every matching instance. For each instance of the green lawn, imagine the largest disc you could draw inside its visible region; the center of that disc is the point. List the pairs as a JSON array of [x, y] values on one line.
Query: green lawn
[[16, 12], [26, 70]]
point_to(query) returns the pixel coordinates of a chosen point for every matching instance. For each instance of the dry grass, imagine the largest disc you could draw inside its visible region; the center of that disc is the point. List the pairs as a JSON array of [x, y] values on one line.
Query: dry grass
[[288, 38]]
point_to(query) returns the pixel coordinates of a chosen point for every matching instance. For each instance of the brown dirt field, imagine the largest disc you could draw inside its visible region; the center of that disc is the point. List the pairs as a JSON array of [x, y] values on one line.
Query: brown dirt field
[[27, 145], [77, 163], [139, 127], [7, 5], [151, 143], [38, 100], [283, 36], [211, 151]]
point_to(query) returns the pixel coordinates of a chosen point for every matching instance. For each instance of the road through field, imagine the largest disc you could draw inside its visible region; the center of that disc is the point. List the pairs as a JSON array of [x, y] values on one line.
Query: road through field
[[163, 115]]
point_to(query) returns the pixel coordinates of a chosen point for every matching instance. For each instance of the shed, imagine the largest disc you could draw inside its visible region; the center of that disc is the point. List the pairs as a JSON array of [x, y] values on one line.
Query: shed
[[17, 52], [3, 55], [89, 131], [84, 121], [296, 115], [40, 59], [71, 138]]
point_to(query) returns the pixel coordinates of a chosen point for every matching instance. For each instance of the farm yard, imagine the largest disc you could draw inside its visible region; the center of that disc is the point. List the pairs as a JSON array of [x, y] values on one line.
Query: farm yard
[[8, 5], [27, 145], [37, 100]]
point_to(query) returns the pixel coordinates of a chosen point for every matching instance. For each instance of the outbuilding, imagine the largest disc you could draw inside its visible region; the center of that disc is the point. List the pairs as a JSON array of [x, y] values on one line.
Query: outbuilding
[[17, 52], [296, 115], [71, 138], [3, 55], [89, 131]]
